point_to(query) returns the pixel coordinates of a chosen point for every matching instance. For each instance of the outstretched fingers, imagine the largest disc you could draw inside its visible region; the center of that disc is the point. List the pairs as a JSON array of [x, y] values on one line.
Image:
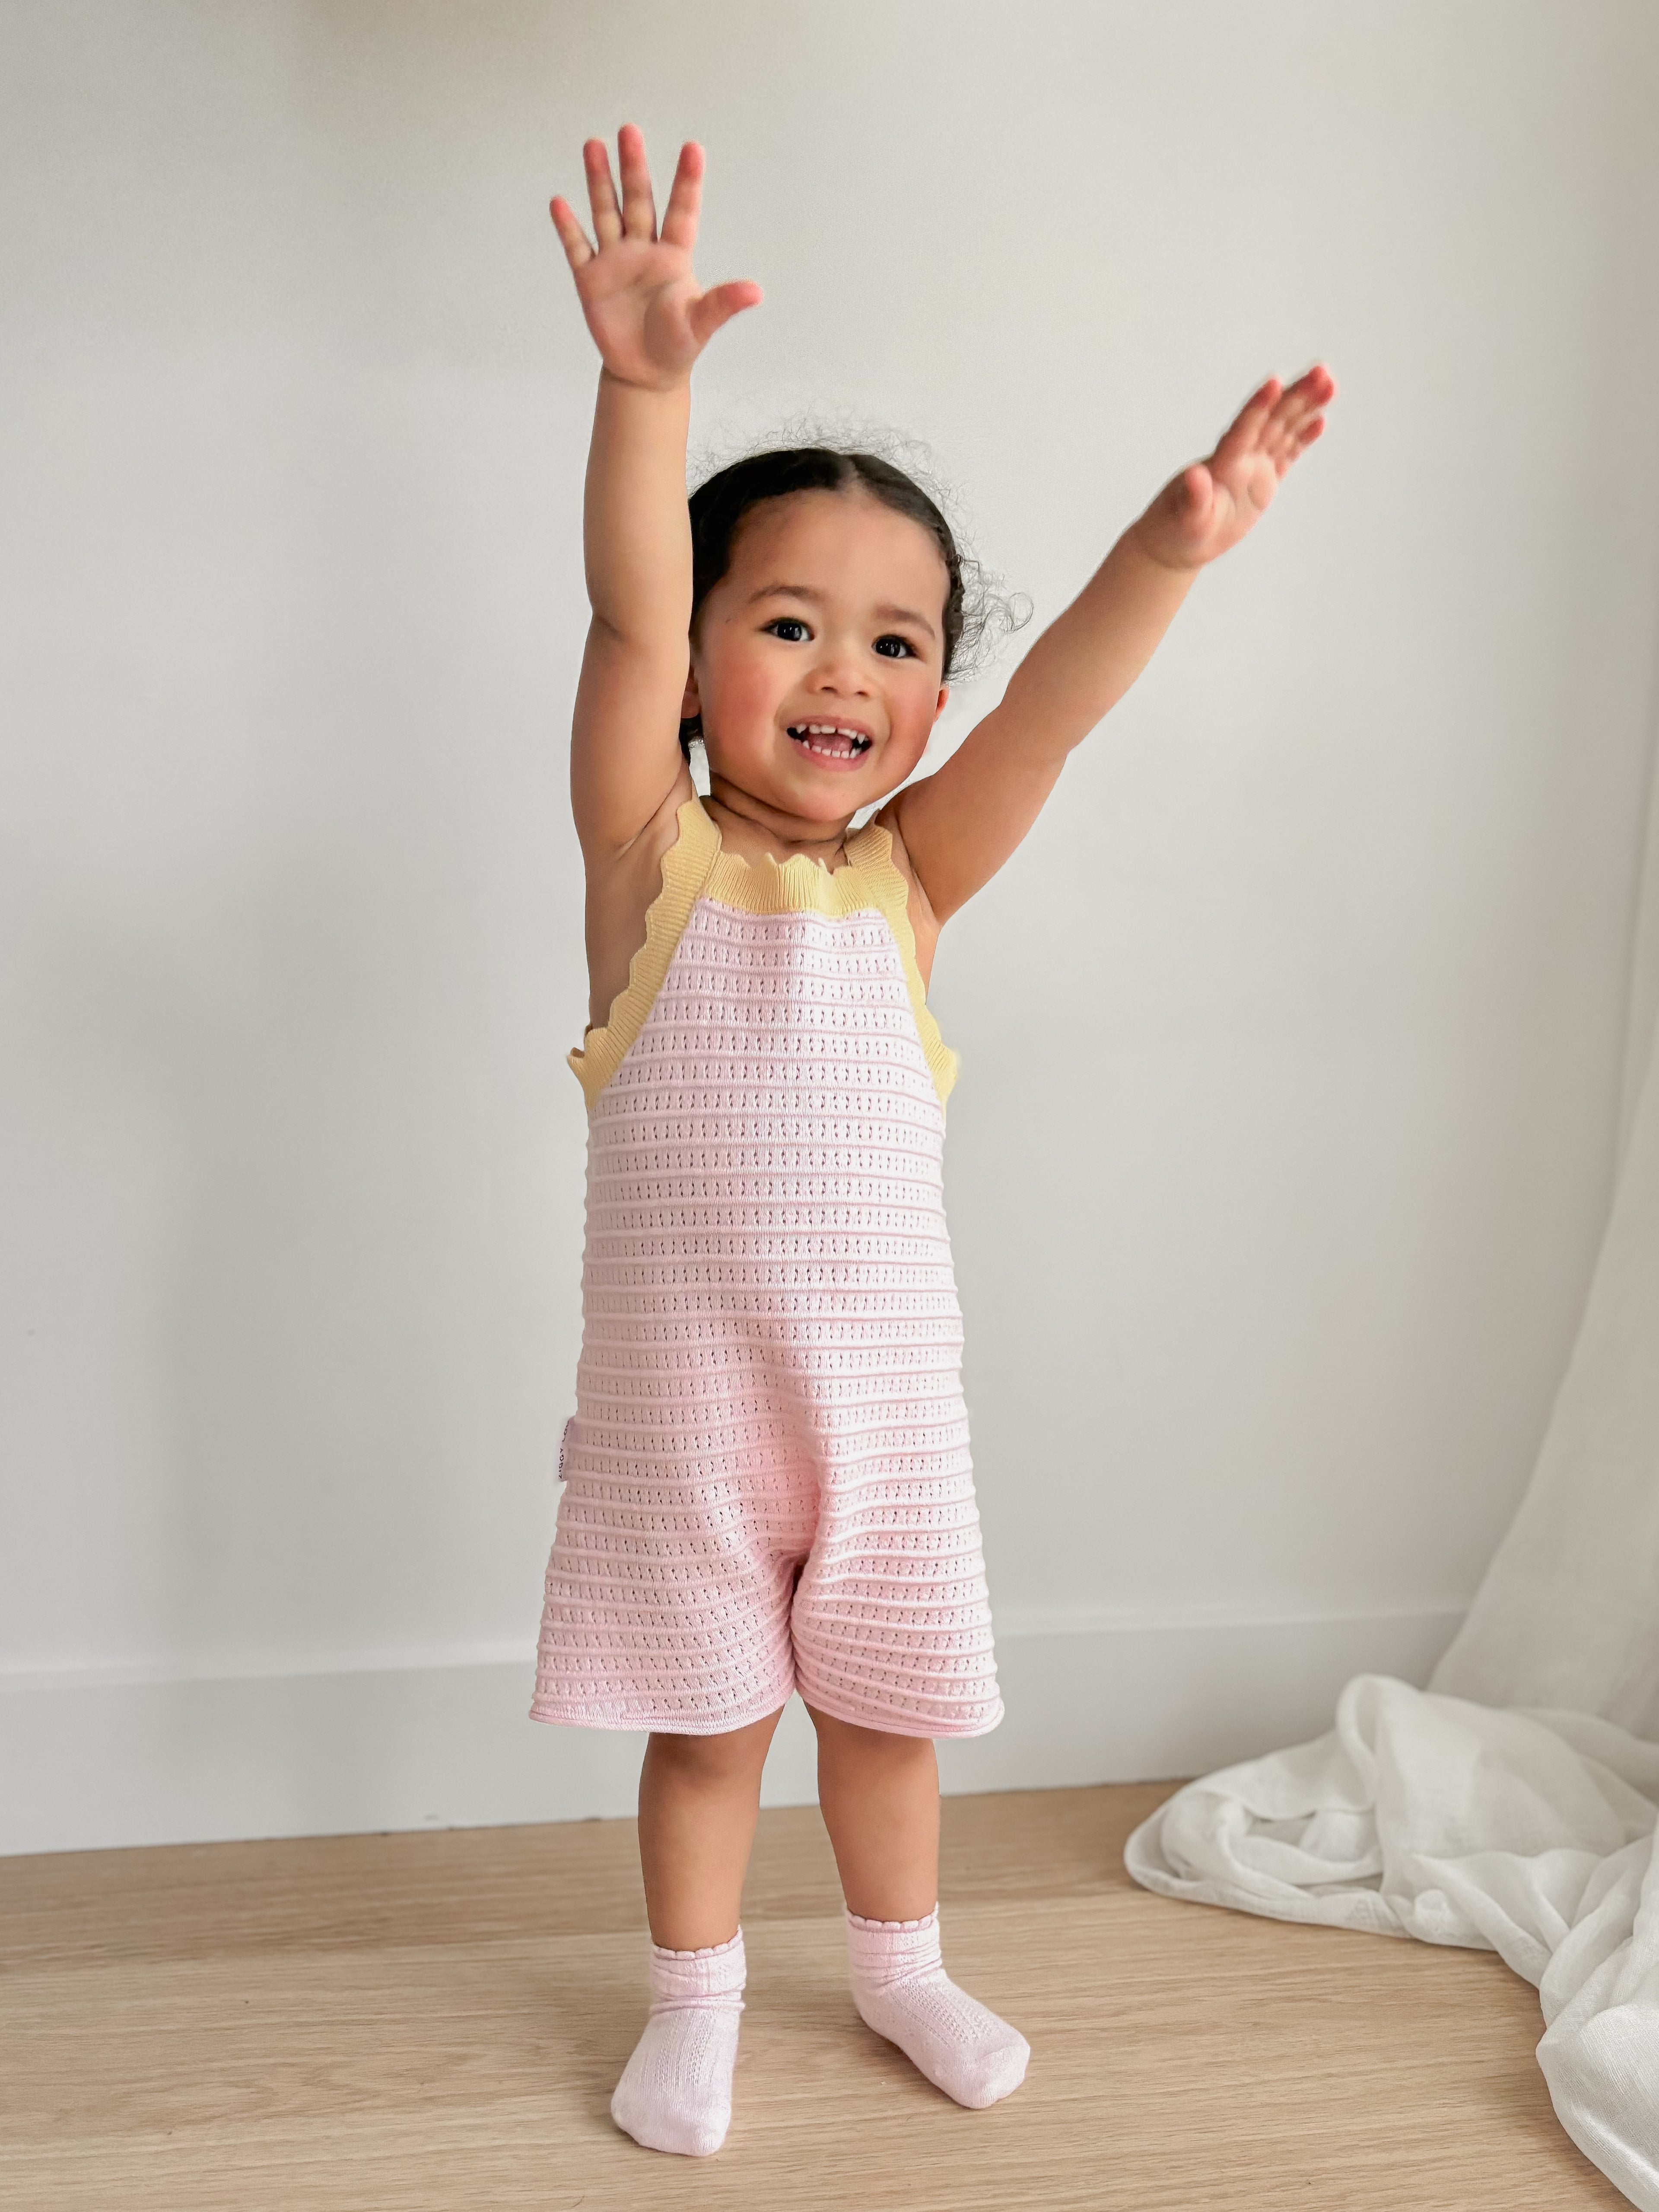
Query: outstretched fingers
[[679, 221], [572, 236], [1252, 419], [639, 208], [601, 193], [1299, 416], [641, 300], [707, 314], [1278, 421]]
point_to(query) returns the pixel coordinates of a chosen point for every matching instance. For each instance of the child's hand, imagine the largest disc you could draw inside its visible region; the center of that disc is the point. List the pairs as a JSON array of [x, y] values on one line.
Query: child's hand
[[1209, 506], [648, 320]]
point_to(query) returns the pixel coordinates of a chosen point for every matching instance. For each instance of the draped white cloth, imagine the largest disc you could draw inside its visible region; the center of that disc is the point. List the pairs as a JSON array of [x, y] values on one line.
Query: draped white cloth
[[1512, 1805]]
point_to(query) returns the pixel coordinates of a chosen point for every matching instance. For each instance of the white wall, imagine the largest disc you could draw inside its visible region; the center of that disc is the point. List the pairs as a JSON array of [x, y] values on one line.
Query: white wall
[[1290, 1041]]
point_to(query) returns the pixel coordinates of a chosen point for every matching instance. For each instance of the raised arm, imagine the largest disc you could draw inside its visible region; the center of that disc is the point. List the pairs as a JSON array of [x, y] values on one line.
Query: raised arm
[[650, 321], [961, 824]]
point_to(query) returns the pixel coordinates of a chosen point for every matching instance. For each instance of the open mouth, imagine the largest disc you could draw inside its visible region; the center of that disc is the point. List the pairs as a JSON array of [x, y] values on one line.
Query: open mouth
[[833, 741]]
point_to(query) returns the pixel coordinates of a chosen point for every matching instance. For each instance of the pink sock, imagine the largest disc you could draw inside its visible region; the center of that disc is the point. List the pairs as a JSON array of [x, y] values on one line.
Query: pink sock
[[902, 1990], [676, 2090]]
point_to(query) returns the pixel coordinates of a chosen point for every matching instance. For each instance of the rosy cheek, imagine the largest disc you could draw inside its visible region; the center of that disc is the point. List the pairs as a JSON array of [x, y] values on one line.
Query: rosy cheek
[[915, 717], [745, 692]]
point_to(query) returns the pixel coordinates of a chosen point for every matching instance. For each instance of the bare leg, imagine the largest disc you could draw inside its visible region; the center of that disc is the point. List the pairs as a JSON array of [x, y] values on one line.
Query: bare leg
[[699, 1798], [879, 1794], [699, 1795], [879, 1798]]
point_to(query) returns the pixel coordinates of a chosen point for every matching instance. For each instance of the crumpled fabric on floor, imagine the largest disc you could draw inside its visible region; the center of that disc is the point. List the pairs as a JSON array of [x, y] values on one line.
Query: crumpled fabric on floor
[[1511, 1806], [1524, 1832]]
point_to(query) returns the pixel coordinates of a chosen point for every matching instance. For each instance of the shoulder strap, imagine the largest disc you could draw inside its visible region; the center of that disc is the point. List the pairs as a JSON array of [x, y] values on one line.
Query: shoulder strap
[[870, 852]]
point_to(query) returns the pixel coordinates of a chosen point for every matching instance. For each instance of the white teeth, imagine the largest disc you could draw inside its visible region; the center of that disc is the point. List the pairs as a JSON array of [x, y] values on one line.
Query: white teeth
[[847, 743]]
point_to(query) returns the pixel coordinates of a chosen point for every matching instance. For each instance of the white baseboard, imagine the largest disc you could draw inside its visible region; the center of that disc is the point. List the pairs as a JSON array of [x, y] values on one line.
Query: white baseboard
[[92, 1761]]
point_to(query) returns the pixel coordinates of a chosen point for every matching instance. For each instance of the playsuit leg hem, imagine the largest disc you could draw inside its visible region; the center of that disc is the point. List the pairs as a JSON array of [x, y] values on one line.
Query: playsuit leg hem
[[901, 1724], [614, 1718]]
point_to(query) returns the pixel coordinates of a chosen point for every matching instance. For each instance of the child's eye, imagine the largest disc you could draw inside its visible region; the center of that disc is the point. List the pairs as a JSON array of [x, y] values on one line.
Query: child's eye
[[895, 647], [789, 623]]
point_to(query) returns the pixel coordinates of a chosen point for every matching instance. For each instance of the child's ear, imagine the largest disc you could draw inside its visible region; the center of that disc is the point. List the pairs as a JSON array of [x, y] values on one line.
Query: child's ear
[[938, 704]]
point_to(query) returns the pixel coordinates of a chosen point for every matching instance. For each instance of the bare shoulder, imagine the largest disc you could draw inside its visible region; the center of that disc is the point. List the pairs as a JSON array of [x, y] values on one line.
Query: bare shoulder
[[925, 925], [621, 887]]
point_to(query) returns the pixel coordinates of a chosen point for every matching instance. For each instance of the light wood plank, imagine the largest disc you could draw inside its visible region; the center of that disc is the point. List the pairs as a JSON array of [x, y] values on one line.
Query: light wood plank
[[429, 2022]]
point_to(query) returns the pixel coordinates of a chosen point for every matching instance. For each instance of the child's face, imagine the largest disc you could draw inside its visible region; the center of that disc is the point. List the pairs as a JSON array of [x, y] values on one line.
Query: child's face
[[828, 616]]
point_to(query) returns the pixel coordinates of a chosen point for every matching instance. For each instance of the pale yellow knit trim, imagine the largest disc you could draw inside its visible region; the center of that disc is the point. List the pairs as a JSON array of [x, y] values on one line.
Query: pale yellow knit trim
[[697, 866], [685, 868], [871, 853]]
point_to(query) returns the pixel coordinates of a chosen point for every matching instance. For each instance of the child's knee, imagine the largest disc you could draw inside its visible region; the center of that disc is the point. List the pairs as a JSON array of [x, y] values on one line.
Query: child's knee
[[733, 1755], [869, 1743]]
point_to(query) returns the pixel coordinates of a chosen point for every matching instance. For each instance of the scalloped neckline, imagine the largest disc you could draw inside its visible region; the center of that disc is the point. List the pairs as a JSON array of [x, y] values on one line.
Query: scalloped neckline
[[771, 860]]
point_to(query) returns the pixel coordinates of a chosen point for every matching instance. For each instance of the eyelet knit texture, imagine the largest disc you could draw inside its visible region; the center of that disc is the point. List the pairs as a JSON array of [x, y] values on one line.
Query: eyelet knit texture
[[902, 1990], [767, 1483], [676, 2090]]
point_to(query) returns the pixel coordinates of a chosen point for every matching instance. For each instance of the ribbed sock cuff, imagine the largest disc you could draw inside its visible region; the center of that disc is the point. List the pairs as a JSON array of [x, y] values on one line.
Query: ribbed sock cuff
[[714, 1976], [883, 1952]]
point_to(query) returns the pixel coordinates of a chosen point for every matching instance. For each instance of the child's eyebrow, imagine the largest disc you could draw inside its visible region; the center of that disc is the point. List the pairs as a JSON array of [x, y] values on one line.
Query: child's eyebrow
[[887, 610], [892, 613]]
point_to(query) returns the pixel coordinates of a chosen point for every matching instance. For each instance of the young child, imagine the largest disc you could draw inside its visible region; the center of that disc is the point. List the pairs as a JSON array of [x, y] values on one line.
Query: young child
[[766, 1479]]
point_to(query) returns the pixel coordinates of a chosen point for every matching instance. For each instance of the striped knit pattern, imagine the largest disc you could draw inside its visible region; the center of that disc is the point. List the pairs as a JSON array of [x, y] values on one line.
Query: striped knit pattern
[[768, 1484]]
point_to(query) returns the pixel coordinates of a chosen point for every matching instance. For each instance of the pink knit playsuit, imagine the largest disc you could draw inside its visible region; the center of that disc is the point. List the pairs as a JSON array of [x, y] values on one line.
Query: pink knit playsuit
[[766, 1479]]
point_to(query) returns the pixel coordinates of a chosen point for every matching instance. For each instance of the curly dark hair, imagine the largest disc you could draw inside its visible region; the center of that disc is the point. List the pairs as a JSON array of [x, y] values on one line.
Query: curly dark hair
[[974, 606]]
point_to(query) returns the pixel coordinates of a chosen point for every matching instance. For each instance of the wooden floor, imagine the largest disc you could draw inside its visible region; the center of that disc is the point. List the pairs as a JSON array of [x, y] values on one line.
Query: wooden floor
[[436, 2022]]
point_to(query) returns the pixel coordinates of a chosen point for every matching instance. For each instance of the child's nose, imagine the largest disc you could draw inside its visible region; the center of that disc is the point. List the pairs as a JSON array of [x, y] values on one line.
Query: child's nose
[[841, 669]]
